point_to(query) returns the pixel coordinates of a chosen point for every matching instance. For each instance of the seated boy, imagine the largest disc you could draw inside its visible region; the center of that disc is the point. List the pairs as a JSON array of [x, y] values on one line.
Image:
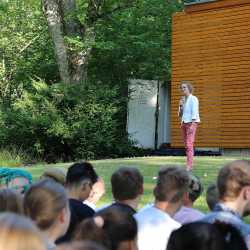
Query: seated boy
[[79, 181]]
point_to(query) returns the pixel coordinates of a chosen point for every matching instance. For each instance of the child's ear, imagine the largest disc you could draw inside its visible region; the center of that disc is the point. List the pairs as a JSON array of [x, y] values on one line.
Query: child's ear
[[62, 215], [186, 197], [141, 191], [246, 193], [85, 185]]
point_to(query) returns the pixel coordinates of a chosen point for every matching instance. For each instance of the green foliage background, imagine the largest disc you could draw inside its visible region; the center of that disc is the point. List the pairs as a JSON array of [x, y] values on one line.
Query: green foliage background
[[49, 120]]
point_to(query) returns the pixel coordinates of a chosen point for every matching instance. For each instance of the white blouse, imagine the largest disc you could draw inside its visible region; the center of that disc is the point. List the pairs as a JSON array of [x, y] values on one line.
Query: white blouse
[[191, 110]]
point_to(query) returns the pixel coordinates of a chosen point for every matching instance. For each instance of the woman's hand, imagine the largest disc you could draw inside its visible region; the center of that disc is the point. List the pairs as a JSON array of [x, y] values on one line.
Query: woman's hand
[[182, 101]]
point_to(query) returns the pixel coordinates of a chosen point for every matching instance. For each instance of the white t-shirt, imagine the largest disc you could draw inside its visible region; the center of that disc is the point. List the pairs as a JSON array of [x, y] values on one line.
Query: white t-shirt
[[154, 228]]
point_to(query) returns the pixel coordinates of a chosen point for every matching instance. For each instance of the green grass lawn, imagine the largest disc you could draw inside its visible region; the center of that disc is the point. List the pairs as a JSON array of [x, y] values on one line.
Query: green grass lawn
[[205, 167]]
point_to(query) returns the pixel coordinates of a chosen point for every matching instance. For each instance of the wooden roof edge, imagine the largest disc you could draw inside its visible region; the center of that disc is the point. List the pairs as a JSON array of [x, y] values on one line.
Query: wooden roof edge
[[214, 5]]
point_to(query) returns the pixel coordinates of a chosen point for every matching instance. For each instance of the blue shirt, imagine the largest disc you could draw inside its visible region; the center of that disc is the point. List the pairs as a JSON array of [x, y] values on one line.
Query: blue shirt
[[225, 214]]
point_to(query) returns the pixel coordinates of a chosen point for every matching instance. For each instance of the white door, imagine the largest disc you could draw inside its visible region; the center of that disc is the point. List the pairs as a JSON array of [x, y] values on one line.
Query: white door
[[141, 112]]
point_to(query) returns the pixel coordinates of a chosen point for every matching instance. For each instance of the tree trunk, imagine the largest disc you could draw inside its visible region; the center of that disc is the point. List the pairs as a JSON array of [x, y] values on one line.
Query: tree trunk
[[73, 28], [65, 29], [62, 23], [54, 19]]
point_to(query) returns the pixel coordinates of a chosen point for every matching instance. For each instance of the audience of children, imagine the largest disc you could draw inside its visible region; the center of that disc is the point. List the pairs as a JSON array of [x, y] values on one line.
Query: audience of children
[[54, 210]]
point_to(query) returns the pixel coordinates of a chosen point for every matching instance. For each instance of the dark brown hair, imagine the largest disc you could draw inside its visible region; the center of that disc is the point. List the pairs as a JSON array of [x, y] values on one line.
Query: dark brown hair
[[110, 227], [212, 196], [81, 171], [206, 236], [10, 201], [127, 183]]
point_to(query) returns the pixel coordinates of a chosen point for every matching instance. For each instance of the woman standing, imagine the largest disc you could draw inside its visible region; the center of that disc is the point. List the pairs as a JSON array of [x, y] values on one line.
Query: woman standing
[[189, 114]]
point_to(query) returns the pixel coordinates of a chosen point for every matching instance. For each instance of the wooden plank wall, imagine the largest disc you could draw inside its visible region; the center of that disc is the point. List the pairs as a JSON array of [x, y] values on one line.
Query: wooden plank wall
[[211, 48]]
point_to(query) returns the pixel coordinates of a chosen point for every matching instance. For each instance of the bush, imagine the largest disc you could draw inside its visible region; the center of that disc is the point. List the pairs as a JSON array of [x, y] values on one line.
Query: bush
[[12, 157], [66, 122]]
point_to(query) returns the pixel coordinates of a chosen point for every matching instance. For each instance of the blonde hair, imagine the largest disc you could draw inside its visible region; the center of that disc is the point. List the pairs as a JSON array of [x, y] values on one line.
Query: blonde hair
[[44, 201], [188, 84], [19, 233], [232, 178], [11, 201]]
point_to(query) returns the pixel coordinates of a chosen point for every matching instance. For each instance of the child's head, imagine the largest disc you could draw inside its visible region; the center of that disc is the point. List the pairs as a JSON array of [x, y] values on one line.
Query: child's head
[[80, 179], [16, 179], [46, 203], [127, 183], [172, 185], [19, 233], [206, 236], [195, 187], [55, 174], [212, 196], [112, 227], [11, 201]]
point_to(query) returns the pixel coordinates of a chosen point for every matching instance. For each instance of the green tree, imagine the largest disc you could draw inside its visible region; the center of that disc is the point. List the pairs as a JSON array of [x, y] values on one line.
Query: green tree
[[112, 41], [135, 43], [25, 48], [72, 28]]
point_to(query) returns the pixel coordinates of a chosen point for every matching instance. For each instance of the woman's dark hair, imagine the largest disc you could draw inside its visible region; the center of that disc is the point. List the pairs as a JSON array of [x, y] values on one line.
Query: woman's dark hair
[[109, 227], [206, 236]]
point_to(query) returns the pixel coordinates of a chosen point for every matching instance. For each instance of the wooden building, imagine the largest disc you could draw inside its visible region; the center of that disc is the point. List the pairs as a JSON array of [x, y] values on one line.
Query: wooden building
[[211, 48]]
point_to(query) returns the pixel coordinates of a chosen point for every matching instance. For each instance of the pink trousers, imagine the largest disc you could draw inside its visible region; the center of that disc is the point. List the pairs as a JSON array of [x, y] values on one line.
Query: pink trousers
[[188, 133]]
